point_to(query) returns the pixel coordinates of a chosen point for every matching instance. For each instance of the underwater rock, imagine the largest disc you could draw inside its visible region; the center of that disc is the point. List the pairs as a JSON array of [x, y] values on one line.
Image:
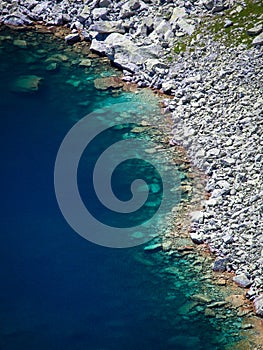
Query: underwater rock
[[26, 83], [22, 44], [108, 83], [85, 63], [153, 248]]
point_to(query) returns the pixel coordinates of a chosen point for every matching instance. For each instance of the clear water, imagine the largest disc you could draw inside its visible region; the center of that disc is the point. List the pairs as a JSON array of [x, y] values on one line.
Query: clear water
[[59, 291]]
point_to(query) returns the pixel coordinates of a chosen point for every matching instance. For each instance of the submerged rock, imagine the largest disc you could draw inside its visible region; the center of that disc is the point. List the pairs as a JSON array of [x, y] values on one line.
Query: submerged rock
[[26, 83], [107, 83], [22, 44], [153, 248]]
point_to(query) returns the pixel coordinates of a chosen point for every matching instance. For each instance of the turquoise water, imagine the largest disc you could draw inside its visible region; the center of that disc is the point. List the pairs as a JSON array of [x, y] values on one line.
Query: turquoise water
[[59, 291]]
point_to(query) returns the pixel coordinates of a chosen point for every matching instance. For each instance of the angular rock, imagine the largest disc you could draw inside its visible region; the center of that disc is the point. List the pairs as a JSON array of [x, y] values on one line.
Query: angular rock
[[72, 38], [258, 40], [242, 280], [84, 14], [255, 30], [258, 305], [108, 27], [220, 264]]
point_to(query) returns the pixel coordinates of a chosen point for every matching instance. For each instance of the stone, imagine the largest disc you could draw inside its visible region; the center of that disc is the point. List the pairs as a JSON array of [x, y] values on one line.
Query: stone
[[108, 27], [72, 38], [167, 86], [100, 13], [178, 13], [258, 305], [220, 264], [108, 83], [255, 30], [185, 26], [242, 280], [22, 44], [86, 62], [228, 23], [52, 66], [104, 3], [84, 14], [196, 237], [258, 40], [153, 248], [26, 84], [235, 300], [201, 298]]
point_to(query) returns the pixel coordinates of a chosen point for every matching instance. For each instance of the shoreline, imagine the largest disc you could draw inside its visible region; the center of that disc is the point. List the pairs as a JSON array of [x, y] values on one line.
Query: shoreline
[[219, 192]]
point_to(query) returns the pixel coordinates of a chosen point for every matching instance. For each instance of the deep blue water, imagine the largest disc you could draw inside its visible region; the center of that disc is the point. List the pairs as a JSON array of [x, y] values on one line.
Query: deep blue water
[[59, 291]]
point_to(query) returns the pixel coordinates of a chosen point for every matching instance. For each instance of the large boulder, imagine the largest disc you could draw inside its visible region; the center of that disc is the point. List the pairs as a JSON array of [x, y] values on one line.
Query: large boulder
[[122, 51]]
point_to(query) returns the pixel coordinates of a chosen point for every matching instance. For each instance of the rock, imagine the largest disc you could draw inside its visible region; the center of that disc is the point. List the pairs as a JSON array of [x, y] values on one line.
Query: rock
[[185, 26], [108, 27], [210, 313], [220, 264], [197, 216], [108, 83], [178, 13], [255, 30], [167, 86], [84, 14], [196, 237], [258, 40], [72, 38], [217, 304], [85, 62], [100, 13], [258, 305], [201, 298], [22, 44], [153, 248], [52, 66], [228, 23], [236, 300], [104, 3], [242, 280], [122, 51], [26, 84]]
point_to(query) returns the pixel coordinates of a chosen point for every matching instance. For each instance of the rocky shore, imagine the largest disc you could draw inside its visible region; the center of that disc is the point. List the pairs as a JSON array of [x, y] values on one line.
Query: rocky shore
[[208, 55]]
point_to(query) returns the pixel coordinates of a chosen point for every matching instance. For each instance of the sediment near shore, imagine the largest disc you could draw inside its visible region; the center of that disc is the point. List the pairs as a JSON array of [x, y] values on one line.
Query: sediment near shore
[[215, 78]]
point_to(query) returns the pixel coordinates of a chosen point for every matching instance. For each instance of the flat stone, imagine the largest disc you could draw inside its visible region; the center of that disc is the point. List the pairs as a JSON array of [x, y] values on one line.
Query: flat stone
[[108, 27], [153, 248], [22, 44], [26, 84], [201, 298], [108, 83]]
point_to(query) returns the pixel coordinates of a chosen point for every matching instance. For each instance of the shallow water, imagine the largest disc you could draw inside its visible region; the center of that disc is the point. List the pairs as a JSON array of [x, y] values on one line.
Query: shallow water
[[59, 291]]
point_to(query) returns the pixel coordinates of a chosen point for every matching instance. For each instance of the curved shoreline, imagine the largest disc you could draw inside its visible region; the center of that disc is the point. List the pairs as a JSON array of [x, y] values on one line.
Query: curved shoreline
[[212, 164]]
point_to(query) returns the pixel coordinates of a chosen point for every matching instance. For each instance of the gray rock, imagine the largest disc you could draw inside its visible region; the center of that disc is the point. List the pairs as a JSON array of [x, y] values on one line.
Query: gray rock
[[255, 30], [72, 38], [108, 27], [220, 264], [26, 84], [84, 14], [258, 305], [258, 40], [100, 13], [242, 280]]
